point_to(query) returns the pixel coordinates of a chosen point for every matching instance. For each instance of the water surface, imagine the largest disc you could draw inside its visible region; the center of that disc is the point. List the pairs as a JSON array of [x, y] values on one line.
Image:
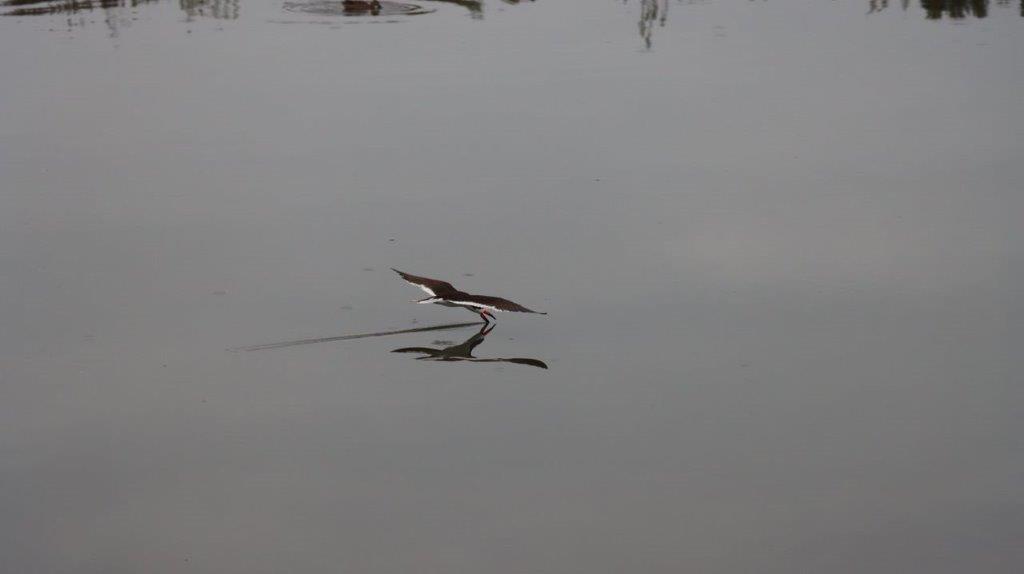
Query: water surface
[[779, 242]]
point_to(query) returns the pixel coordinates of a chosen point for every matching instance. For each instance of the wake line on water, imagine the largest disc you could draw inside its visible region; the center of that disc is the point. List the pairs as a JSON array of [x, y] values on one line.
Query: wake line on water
[[284, 344]]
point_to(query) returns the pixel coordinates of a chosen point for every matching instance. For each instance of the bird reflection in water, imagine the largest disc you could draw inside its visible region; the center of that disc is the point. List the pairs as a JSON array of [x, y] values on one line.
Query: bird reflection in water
[[464, 352]]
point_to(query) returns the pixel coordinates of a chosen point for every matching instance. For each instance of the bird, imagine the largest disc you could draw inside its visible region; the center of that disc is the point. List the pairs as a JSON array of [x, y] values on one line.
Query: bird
[[442, 293]]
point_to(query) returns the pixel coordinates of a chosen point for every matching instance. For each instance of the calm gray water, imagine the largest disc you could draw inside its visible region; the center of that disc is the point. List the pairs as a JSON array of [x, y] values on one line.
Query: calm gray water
[[780, 243]]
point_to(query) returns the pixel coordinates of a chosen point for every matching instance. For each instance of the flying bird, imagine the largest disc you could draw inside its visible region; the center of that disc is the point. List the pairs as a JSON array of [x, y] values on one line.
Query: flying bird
[[442, 293]]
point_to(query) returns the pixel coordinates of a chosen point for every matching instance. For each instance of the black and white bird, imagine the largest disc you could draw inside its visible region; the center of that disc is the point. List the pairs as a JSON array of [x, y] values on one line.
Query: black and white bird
[[442, 293]]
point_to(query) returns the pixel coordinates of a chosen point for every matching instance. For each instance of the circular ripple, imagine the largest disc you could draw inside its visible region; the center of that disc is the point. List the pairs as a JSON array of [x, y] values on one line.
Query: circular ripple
[[355, 8]]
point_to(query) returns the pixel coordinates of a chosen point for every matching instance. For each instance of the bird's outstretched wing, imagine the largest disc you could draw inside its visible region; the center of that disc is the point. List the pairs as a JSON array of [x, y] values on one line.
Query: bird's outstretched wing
[[433, 287], [502, 304]]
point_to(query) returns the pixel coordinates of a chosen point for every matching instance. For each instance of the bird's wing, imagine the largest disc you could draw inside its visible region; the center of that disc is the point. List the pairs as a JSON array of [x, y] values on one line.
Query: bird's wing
[[498, 304], [433, 287]]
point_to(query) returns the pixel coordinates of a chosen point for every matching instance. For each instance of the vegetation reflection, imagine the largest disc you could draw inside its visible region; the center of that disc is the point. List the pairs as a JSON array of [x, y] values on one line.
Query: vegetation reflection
[[218, 9], [653, 13], [953, 9]]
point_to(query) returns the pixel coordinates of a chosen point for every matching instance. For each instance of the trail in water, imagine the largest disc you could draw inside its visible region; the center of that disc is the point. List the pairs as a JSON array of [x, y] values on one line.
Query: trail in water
[[349, 337]]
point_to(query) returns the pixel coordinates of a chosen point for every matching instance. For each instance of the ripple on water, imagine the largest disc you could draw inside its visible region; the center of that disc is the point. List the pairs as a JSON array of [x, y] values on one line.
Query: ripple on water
[[355, 8]]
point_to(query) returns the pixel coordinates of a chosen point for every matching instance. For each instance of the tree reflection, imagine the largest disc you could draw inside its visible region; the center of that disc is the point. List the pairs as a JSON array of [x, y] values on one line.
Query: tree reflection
[[654, 13], [952, 9], [217, 9], [651, 12], [879, 5], [936, 9], [43, 7], [115, 10]]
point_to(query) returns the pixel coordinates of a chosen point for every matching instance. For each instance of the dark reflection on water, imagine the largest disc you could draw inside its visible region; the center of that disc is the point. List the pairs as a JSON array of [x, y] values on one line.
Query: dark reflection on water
[[879, 5], [217, 9], [953, 9], [43, 7], [464, 352], [355, 8], [956, 9], [652, 12]]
